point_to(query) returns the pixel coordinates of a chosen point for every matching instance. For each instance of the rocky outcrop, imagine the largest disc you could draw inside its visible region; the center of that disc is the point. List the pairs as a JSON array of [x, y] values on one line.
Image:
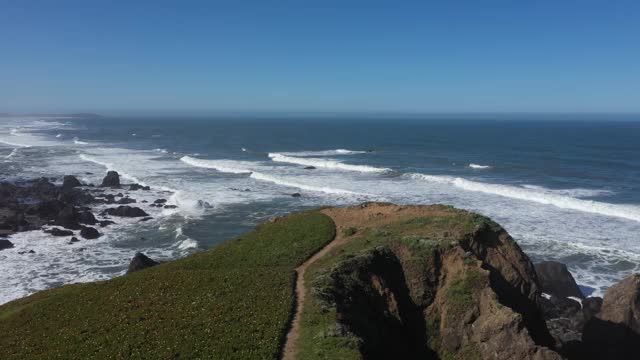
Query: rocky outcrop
[[68, 218], [474, 297], [59, 232], [126, 200], [70, 181], [111, 180], [140, 262], [88, 232], [554, 278], [5, 244], [135, 187], [614, 333], [126, 211]]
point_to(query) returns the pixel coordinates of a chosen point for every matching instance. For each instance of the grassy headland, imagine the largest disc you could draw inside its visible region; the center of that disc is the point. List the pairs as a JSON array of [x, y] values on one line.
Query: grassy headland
[[231, 302]]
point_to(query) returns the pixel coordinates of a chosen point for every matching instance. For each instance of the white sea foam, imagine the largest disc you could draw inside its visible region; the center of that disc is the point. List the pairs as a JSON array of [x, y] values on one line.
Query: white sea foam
[[577, 192], [630, 212], [59, 136], [479, 167], [110, 167], [11, 143], [12, 154], [292, 183], [324, 163], [324, 152], [161, 150], [184, 242], [78, 142], [226, 166]]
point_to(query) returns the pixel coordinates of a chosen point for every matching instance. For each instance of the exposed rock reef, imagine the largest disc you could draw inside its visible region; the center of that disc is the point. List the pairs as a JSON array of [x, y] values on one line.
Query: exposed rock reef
[[63, 210]]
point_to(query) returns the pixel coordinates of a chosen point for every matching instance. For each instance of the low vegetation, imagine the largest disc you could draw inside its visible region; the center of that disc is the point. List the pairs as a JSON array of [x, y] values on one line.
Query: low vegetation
[[231, 302]]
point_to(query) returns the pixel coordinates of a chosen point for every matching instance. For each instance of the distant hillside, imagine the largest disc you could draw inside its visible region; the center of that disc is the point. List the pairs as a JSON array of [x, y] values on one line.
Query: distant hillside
[[72, 115]]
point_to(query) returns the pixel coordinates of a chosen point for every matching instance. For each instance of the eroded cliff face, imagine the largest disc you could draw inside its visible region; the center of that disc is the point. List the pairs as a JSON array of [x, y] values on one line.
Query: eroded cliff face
[[465, 295]]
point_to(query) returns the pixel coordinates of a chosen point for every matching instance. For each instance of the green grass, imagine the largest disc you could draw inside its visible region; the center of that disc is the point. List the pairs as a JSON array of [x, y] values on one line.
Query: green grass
[[231, 302]]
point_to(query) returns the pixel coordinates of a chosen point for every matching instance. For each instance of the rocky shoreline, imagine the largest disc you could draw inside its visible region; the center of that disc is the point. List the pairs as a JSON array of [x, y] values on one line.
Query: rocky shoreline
[[67, 210]]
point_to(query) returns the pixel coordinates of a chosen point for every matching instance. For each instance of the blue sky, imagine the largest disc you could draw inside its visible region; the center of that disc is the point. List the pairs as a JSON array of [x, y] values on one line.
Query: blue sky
[[351, 56]]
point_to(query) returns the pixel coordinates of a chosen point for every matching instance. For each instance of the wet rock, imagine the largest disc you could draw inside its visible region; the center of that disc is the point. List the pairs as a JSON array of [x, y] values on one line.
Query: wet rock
[[111, 180], [296, 195], [146, 219], [26, 252], [58, 232], [86, 217], [68, 218], [555, 279], [310, 168], [126, 211], [139, 262], [70, 181], [135, 187], [170, 206], [160, 201], [126, 200], [73, 240], [591, 306], [88, 232], [104, 223], [556, 307], [5, 244]]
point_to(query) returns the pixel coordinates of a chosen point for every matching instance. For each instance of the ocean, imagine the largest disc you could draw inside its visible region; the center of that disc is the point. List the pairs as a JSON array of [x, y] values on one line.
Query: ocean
[[564, 186]]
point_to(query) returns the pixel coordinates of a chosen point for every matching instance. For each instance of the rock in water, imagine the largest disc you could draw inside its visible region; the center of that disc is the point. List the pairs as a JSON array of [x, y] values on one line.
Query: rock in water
[[68, 218], [86, 217], [126, 200], [139, 262], [59, 232], [70, 181], [111, 180], [88, 232], [5, 244], [296, 195], [554, 278], [134, 187], [126, 211]]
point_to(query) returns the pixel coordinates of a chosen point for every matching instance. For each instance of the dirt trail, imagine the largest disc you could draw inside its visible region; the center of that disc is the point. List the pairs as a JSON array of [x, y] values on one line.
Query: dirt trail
[[360, 217]]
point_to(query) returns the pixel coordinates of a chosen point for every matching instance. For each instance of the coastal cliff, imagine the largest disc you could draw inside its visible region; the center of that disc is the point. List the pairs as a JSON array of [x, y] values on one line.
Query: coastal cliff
[[373, 281]]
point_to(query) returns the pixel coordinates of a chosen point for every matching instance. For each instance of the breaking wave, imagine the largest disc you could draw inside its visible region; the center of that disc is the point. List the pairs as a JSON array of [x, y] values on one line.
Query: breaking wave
[[479, 167], [325, 152], [227, 166], [324, 163], [289, 183], [535, 195]]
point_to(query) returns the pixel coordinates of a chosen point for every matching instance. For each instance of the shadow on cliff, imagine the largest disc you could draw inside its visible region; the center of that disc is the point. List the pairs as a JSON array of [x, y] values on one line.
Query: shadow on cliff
[[374, 302]]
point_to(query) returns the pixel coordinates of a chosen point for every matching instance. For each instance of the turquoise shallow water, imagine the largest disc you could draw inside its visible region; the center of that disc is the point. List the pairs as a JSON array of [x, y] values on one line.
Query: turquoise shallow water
[[564, 186]]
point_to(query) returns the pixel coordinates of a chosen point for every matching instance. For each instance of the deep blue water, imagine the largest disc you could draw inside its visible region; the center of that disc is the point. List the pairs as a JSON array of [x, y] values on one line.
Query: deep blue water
[[565, 187]]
